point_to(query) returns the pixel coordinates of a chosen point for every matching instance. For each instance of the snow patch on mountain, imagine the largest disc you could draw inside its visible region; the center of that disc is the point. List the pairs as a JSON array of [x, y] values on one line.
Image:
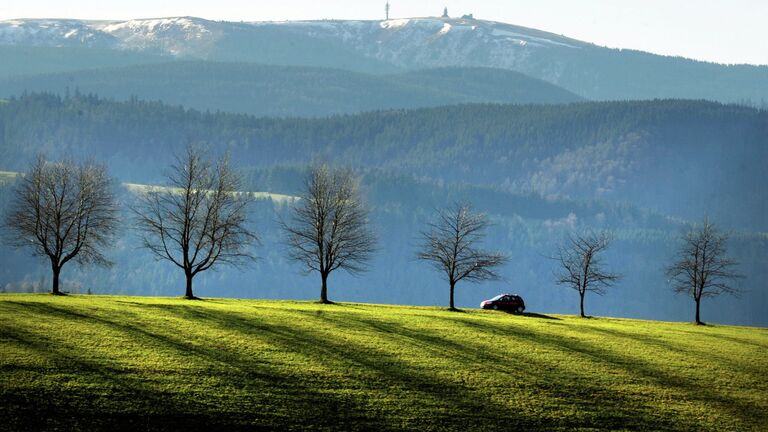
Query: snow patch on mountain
[[406, 43], [51, 32], [394, 23]]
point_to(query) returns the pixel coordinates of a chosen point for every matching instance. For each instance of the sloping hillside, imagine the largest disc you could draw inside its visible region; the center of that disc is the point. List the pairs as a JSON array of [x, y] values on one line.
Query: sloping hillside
[[122, 363], [265, 90], [19, 60]]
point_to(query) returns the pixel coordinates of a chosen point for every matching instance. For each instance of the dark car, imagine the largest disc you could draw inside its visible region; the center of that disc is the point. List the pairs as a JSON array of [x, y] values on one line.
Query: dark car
[[510, 302]]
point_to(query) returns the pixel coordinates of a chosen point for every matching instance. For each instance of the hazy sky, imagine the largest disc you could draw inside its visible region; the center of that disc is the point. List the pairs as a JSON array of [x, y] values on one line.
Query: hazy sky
[[726, 31]]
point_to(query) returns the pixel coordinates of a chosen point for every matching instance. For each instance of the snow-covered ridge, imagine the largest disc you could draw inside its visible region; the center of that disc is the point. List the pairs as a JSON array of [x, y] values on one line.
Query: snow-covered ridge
[[57, 31], [53, 32], [150, 26], [406, 43]]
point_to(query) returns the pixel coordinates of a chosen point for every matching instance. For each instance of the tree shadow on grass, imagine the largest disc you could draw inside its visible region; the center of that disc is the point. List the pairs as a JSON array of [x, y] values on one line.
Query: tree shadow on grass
[[541, 316], [378, 388], [694, 355], [613, 411], [738, 340], [302, 405], [634, 365], [49, 407], [444, 405]]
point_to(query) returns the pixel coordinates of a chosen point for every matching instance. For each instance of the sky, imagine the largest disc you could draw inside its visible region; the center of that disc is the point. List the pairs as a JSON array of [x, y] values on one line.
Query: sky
[[723, 31]]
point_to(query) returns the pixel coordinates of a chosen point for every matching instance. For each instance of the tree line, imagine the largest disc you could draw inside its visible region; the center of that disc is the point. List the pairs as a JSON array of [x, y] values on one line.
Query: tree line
[[65, 211]]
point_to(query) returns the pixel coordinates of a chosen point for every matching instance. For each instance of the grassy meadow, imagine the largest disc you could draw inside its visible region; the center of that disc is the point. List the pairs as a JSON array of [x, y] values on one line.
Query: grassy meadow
[[127, 363]]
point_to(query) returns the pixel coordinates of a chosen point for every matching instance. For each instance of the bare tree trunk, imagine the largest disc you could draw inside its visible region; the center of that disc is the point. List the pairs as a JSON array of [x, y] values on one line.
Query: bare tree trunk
[[189, 293], [453, 285], [698, 311], [63, 211], [55, 283], [581, 304], [324, 288]]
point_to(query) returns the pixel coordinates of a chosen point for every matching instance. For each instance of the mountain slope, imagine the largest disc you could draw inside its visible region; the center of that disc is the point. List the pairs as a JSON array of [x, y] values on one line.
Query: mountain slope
[[633, 151], [162, 364], [21, 60], [384, 46], [292, 90], [191, 38], [591, 71]]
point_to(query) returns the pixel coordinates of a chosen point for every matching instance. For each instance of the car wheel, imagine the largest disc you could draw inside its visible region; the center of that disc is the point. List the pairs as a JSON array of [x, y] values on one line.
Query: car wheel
[[519, 310], [495, 307]]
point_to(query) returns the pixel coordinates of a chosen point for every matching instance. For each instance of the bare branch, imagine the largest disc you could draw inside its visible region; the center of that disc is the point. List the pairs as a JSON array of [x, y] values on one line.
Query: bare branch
[[702, 268], [65, 211], [199, 220], [449, 246], [581, 267], [328, 228]]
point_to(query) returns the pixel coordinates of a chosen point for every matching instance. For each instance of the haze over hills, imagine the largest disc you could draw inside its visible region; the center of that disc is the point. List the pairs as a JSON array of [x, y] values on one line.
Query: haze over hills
[[422, 109], [405, 44], [684, 158], [637, 169], [415, 160], [267, 90]]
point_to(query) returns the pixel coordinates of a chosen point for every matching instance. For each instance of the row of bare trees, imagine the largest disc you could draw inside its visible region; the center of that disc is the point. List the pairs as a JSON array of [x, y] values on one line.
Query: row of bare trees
[[66, 211], [701, 267]]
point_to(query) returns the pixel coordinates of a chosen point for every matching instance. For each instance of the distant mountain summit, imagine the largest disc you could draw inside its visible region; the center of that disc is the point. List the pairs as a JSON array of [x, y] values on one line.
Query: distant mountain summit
[[384, 46], [197, 37]]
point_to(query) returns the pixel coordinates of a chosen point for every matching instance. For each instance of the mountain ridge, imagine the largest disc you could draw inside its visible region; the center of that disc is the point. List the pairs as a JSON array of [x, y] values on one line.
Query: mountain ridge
[[268, 90], [384, 46]]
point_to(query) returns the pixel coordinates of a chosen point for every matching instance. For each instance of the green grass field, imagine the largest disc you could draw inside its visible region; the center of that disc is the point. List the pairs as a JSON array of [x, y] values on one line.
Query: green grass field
[[98, 362]]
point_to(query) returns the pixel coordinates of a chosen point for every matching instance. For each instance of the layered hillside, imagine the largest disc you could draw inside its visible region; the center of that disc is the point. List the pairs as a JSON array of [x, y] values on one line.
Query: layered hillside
[[682, 158], [265, 90], [640, 170]]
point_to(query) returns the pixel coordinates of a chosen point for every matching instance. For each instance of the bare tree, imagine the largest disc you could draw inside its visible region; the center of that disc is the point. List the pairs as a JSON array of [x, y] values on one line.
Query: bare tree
[[65, 211], [450, 246], [198, 220], [702, 268], [328, 228], [581, 267]]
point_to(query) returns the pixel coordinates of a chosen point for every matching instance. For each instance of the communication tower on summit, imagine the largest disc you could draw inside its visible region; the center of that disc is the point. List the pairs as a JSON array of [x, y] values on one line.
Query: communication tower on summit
[[386, 10]]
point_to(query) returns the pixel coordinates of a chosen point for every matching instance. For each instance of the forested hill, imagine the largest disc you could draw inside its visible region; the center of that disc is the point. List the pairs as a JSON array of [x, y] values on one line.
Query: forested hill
[[268, 90], [683, 158]]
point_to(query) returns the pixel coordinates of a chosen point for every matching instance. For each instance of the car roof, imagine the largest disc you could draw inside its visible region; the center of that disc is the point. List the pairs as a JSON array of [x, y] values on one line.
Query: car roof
[[504, 295]]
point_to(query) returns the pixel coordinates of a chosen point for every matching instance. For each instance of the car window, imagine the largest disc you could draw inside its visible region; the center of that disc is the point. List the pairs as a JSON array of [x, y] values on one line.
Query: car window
[[498, 297]]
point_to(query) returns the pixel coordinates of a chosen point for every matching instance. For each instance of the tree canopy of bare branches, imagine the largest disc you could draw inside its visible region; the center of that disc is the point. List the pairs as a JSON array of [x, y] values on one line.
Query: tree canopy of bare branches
[[328, 228], [199, 220], [450, 245], [65, 211], [702, 268], [581, 267]]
